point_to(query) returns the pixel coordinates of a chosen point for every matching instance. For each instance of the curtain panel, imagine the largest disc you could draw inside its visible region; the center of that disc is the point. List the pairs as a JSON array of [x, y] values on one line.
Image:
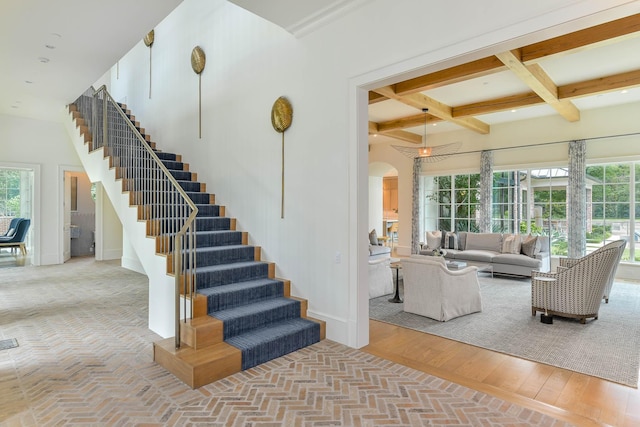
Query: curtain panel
[[577, 200], [486, 190], [415, 207]]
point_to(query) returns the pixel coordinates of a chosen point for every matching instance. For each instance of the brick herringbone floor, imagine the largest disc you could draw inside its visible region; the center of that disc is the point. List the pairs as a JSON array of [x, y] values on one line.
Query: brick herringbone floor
[[85, 358]]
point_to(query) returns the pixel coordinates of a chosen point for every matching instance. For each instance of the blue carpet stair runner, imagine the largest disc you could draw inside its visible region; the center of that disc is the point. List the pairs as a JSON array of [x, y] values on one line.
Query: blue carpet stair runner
[[257, 317]]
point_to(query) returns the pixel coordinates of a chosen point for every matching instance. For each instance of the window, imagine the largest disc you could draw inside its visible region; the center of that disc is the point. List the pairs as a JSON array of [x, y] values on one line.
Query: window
[[610, 203], [535, 201], [456, 200], [15, 195]]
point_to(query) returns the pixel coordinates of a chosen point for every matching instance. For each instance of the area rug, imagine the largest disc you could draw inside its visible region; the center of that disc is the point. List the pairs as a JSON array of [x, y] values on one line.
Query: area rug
[[607, 348]]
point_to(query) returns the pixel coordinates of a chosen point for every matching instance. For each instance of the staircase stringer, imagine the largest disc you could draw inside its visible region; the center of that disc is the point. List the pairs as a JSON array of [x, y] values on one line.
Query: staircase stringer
[[161, 286]]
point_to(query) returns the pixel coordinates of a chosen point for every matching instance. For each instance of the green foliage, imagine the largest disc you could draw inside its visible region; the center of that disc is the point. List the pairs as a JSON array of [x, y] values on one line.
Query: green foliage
[[598, 233], [535, 230], [12, 206], [9, 192], [559, 245]]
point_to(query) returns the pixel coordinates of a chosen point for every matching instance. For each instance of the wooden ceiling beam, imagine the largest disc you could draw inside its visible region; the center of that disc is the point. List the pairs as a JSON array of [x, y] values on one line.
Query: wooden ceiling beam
[[436, 108], [407, 122], [537, 79], [499, 104], [459, 73], [600, 85], [374, 97], [609, 32], [374, 129]]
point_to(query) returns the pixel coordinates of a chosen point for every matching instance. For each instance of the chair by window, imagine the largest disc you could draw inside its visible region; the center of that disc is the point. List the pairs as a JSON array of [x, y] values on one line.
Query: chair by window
[[620, 245], [17, 239], [575, 291], [12, 227]]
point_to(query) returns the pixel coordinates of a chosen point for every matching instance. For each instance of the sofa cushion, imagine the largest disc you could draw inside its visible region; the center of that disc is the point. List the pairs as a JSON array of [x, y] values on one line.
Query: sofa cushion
[[379, 250], [517, 259], [531, 246], [475, 255], [450, 241], [373, 237], [462, 240], [484, 241], [434, 239], [511, 244]]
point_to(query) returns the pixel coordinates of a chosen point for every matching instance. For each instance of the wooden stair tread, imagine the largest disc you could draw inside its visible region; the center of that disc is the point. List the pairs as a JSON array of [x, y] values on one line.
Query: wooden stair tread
[[198, 367]]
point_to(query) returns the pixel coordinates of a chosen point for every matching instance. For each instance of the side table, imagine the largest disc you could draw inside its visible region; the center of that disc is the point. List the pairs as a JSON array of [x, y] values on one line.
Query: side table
[[396, 265]]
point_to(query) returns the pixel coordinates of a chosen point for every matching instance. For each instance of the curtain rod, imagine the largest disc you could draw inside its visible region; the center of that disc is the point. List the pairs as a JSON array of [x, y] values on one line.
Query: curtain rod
[[549, 143]]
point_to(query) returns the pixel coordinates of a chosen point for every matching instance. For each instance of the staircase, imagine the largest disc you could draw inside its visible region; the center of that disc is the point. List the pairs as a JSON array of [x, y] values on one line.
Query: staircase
[[241, 315]]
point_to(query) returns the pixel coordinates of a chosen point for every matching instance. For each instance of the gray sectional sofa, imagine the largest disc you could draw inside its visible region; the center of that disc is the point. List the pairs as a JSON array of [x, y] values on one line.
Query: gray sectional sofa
[[506, 253]]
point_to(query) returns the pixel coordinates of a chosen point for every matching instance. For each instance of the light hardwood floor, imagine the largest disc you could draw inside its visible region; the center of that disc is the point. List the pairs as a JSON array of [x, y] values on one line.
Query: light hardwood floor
[[573, 397]]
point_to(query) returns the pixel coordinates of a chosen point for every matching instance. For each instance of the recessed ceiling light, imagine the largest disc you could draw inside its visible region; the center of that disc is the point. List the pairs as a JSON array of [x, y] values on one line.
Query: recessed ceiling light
[[624, 91], [43, 59], [375, 134], [513, 111], [435, 124]]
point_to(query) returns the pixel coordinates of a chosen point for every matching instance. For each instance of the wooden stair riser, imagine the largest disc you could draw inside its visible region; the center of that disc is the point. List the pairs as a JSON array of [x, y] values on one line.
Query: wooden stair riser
[[201, 332], [198, 367]]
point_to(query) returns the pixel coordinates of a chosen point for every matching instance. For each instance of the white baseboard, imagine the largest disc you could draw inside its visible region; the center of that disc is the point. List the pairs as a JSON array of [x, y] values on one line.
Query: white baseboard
[[337, 329]]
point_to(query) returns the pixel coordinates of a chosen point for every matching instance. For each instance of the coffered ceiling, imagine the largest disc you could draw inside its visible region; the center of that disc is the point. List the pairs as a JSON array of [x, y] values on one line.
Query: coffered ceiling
[[592, 68]]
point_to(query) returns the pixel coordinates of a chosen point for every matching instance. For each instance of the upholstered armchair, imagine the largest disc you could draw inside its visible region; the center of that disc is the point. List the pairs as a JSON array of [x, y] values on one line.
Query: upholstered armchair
[[574, 291], [17, 239], [620, 245], [431, 290], [12, 228], [380, 277]]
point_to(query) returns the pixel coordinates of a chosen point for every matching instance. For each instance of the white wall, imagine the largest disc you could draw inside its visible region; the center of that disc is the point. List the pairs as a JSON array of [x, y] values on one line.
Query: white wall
[[375, 204], [46, 144], [250, 63]]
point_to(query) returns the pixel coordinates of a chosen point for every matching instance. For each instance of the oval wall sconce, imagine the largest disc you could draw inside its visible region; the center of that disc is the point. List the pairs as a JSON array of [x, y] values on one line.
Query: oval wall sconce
[[281, 119], [148, 41], [198, 60]]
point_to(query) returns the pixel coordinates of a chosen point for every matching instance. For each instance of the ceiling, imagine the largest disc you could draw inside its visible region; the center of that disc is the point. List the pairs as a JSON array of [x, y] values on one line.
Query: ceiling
[[592, 68], [52, 51], [588, 69]]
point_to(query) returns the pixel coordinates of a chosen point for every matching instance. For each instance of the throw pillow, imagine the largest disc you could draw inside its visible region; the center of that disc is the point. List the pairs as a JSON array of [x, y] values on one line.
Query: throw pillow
[[443, 241], [511, 244], [11, 232], [531, 246], [373, 237], [451, 240], [434, 239]]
